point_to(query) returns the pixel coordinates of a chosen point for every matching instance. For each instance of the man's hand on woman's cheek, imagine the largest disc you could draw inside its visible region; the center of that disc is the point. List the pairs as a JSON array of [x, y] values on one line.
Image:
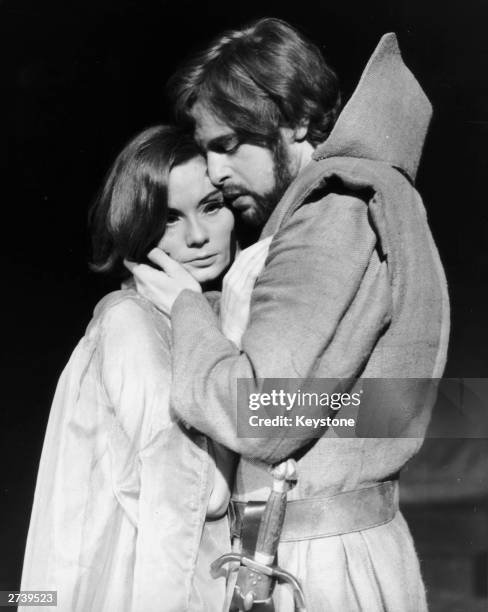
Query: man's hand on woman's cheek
[[161, 287]]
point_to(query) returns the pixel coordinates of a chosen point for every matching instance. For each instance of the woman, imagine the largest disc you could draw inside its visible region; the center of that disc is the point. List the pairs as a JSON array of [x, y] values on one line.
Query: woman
[[118, 521]]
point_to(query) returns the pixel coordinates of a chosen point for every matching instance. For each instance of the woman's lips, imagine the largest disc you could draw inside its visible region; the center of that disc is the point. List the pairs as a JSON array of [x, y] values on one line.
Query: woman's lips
[[202, 262]]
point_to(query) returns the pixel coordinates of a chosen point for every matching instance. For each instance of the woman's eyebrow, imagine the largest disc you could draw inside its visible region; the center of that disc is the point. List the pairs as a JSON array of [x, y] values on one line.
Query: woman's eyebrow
[[211, 196]]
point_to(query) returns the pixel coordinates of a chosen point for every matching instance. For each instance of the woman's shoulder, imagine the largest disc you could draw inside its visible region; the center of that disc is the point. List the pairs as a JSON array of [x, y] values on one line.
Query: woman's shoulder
[[126, 313], [121, 300], [129, 333]]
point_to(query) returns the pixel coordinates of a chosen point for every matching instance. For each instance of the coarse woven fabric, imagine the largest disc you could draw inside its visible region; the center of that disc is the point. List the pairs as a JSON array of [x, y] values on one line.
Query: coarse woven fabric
[[353, 286]]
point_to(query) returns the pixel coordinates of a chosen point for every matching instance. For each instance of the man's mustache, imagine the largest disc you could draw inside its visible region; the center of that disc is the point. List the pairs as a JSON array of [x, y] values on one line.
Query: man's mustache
[[232, 192]]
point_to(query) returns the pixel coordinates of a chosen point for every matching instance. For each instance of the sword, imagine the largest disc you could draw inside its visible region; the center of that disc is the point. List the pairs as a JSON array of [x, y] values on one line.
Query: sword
[[257, 576]]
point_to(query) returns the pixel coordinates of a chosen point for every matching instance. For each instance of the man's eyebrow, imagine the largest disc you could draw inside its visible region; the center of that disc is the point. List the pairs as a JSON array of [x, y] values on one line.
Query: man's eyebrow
[[221, 142]]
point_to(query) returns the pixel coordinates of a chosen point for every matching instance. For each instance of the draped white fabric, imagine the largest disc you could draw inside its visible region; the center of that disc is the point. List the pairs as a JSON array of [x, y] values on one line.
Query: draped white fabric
[[118, 516]]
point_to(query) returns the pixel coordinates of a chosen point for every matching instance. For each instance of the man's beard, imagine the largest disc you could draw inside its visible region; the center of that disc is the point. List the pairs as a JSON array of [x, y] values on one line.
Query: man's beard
[[264, 204]]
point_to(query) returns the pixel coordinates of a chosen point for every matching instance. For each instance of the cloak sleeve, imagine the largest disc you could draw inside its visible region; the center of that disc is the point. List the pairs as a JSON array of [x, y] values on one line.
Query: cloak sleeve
[[317, 262]]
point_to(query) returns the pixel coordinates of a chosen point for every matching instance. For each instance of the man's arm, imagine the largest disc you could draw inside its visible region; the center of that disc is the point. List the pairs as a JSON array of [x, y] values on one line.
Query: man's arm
[[315, 267]]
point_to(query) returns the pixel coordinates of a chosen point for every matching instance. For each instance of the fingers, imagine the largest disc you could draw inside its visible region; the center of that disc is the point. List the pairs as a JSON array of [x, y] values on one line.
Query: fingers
[[143, 275], [139, 271], [161, 259], [162, 287]]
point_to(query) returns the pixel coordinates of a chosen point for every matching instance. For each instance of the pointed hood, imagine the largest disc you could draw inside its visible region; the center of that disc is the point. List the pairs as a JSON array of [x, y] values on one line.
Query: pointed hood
[[387, 117]]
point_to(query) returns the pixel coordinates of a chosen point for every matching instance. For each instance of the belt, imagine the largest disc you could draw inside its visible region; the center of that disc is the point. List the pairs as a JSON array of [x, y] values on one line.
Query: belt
[[322, 517]]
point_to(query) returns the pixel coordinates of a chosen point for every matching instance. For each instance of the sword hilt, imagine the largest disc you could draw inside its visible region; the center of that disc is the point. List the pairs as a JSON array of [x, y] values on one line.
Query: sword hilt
[[256, 576], [272, 572], [274, 513], [217, 566]]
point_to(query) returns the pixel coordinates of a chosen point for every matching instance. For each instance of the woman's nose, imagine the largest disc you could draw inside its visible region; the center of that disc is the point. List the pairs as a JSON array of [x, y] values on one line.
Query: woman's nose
[[196, 233]]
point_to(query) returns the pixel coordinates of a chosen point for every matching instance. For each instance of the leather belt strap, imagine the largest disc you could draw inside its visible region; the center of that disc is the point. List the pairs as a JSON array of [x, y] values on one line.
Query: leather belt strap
[[245, 521], [321, 517]]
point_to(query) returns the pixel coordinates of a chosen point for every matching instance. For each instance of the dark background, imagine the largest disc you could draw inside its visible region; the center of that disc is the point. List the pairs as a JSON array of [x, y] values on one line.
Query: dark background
[[79, 78]]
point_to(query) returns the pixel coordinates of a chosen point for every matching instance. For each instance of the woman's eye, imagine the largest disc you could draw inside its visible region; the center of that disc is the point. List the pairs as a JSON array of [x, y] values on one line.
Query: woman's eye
[[172, 218], [213, 206]]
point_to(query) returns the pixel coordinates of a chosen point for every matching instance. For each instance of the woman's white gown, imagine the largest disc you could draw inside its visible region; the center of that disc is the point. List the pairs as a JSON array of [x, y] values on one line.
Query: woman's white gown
[[118, 521]]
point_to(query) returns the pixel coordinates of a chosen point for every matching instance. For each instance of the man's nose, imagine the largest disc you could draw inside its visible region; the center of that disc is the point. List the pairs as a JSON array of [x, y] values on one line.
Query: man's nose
[[218, 168], [196, 233]]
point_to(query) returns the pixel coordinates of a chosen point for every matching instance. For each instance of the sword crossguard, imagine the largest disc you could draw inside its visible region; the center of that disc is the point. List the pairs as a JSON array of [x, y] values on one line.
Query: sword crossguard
[[273, 571], [217, 567]]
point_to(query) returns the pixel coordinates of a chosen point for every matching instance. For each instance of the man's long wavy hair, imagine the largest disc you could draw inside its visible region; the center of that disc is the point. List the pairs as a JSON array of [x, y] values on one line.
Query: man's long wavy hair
[[129, 216], [260, 78]]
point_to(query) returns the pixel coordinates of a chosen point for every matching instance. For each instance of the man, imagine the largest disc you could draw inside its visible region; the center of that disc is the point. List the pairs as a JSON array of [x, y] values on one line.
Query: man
[[352, 286]]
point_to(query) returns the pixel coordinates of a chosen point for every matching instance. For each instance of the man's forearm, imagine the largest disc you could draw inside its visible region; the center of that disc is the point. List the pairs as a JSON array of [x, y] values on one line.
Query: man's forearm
[[313, 274]]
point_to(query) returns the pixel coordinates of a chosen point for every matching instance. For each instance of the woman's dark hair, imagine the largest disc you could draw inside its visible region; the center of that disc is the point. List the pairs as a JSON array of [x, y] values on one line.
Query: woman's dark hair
[[260, 78], [129, 216]]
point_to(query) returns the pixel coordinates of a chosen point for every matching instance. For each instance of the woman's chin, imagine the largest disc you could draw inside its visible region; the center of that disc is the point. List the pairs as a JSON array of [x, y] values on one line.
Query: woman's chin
[[206, 275]]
